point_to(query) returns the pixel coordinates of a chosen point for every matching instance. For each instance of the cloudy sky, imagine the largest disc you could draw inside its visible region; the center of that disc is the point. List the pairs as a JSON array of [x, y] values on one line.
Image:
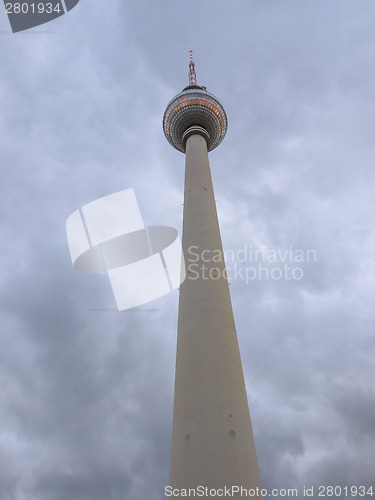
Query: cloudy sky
[[86, 393]]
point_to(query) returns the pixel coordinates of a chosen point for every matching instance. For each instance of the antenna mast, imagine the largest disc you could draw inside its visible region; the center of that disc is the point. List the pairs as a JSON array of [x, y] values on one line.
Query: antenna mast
[[192, 75]]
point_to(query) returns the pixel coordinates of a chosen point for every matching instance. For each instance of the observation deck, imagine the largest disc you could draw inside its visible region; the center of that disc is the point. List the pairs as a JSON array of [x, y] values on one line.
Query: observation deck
[[194, 110]]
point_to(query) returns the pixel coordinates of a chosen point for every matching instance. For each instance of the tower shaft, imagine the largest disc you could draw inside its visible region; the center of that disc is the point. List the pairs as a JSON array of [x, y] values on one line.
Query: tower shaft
[[212, 442]]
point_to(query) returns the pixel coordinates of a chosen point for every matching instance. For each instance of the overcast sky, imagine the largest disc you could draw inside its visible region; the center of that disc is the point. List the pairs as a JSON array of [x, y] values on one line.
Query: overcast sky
[[86, 393]]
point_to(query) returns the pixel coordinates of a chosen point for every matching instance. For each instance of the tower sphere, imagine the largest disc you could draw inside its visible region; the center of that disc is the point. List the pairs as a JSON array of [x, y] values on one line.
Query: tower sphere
[[194, 110]]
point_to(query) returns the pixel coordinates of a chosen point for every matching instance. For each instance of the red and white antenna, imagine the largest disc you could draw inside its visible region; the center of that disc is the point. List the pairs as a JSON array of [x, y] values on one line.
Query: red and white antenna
[[192, 75]]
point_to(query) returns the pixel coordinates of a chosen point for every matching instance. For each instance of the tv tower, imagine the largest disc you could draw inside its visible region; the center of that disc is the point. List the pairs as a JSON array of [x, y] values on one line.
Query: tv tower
[[212, 440]]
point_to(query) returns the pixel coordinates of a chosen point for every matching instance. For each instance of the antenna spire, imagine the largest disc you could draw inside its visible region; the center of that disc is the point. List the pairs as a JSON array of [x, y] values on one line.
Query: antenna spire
[[192, 75]]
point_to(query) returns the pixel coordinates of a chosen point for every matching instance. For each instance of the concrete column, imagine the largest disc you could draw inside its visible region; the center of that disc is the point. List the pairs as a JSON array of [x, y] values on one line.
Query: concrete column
[[212, 442]]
